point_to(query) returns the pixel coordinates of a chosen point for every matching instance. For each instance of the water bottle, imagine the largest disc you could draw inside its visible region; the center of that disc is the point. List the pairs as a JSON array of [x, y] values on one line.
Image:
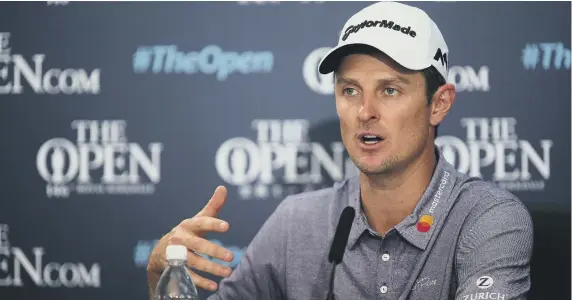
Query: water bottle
[[175, 282]]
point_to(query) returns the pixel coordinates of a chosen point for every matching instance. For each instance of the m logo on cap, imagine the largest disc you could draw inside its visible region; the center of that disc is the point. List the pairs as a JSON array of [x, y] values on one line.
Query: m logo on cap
[[440, 56], [384, 23]]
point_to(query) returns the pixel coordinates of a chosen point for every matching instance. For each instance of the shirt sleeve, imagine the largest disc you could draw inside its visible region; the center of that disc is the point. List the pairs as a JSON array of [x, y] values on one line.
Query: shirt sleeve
[[260, 273], [494, 252]]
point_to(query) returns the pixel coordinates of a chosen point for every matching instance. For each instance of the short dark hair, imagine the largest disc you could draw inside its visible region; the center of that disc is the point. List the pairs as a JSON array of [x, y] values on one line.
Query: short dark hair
[[433, 79]]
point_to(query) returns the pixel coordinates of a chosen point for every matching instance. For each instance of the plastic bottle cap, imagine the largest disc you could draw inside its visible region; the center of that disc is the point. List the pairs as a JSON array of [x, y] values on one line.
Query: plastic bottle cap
[[176, 252]]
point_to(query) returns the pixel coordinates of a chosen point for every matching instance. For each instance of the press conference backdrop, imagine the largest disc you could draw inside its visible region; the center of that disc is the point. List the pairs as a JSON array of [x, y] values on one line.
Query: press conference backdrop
[[120, 119]]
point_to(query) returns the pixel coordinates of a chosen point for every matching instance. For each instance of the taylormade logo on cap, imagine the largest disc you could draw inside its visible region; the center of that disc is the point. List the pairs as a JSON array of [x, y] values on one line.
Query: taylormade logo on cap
[[404, 33], [384, 24]]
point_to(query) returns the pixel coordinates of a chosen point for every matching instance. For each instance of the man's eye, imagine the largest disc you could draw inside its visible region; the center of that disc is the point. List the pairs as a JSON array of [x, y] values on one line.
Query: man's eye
[[349, 91], [391, 91]]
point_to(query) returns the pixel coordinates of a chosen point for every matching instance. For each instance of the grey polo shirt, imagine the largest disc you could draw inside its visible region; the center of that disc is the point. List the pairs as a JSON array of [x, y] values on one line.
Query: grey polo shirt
[[465, 240]]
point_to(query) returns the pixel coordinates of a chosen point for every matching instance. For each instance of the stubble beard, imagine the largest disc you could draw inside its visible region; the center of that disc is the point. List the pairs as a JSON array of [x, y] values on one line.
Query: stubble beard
[[384, 167]]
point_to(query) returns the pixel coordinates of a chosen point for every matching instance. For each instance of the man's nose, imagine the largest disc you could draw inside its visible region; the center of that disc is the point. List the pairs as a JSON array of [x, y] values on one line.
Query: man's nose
[[368, 110]]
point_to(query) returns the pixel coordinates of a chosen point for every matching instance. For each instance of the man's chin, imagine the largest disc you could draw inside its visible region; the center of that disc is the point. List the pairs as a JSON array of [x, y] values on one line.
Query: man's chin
[[372, 167], [372, 171], [375, 164]]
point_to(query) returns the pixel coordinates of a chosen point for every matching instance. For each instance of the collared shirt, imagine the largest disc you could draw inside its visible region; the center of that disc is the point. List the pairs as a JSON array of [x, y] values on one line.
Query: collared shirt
[[465, 240]]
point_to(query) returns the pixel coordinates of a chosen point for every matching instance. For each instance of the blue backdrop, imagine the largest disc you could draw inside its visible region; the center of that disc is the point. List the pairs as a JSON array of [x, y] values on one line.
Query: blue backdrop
[[120, 119]]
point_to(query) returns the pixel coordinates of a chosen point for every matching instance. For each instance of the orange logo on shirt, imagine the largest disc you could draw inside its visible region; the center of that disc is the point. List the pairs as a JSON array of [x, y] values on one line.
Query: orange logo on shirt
[[425, 223]]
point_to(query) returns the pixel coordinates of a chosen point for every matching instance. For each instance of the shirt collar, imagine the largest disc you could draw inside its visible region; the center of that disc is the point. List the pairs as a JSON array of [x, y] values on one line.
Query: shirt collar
[[433, 207], [417, 228], [360, 224]]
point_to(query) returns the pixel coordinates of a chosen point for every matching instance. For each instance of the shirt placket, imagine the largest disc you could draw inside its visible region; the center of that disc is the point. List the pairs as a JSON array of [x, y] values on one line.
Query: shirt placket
[[384, 268]]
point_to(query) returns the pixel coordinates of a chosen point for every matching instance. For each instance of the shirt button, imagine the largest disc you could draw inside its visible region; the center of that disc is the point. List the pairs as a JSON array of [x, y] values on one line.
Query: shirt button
[[385, 257], [383, 289]]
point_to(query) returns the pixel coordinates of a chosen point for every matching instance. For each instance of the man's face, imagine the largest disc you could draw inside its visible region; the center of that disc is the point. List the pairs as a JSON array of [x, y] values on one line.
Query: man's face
[[383, 111]]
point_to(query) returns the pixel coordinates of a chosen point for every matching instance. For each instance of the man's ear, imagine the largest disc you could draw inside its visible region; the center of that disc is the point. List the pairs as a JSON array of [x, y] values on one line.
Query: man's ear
[[441, 103]]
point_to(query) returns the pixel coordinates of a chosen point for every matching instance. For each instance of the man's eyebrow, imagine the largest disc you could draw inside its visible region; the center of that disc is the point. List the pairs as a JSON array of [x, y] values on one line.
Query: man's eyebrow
[[342, 80], [399, 78], [392, 79]]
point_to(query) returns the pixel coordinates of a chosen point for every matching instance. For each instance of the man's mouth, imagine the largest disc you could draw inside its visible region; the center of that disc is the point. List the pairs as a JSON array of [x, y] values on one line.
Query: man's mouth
[[370, 139]]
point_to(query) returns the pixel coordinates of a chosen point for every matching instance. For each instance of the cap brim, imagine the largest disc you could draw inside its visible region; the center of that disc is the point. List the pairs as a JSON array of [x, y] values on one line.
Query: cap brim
[[332, 59]]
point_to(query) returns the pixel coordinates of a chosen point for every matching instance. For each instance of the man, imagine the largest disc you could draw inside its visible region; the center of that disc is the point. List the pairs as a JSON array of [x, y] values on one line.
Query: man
[[422, 230]]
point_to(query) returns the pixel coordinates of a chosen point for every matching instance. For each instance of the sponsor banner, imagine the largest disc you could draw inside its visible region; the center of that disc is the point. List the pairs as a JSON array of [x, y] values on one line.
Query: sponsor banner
[[23, 74], [493, 151], [31, 267], [280, 160], [211, 60], [546, 56], [101, 160], [157, 104]]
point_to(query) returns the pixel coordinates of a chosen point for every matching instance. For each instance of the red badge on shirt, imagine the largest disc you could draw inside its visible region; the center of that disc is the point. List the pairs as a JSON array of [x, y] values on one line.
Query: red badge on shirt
[[425, 223]]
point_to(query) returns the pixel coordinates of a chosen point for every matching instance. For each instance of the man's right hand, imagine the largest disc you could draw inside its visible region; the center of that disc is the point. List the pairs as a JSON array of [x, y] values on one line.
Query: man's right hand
[[189, 233]]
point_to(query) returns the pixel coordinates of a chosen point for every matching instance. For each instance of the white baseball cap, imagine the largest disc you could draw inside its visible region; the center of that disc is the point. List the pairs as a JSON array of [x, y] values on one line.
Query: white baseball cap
[[404, 33]]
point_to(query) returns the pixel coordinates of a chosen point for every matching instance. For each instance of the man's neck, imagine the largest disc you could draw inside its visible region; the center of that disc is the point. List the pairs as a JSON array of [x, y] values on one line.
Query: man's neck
[[389, 198]]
